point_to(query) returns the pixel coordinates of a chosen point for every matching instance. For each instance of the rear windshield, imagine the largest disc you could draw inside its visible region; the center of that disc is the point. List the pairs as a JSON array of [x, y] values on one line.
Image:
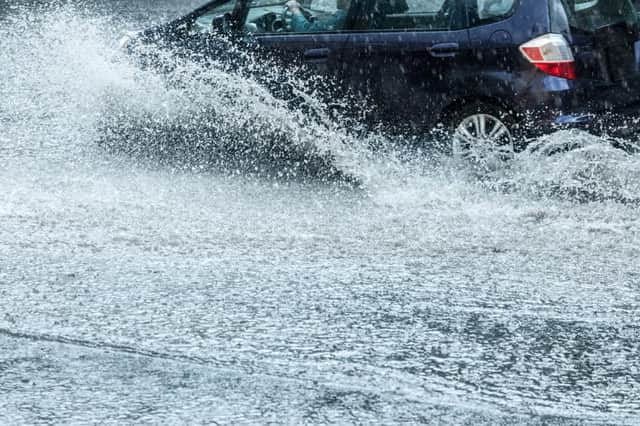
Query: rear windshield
[[592, 15]]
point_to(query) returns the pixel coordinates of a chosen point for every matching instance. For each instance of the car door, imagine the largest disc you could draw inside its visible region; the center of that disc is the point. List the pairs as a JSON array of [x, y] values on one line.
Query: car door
[[409, 58], [316, 48]]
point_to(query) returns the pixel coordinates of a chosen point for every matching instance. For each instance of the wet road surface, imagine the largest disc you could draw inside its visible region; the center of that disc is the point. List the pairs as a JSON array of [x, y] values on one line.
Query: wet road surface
[[132, 291]]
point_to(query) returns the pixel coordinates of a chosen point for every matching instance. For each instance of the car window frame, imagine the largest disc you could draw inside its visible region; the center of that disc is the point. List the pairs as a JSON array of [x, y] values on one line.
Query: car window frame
[[351, 15], [572, 15], [474, 21], [237, 13], [462, 8]]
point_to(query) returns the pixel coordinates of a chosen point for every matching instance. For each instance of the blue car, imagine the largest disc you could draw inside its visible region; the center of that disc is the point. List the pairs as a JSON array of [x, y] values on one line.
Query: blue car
[[494, 72]]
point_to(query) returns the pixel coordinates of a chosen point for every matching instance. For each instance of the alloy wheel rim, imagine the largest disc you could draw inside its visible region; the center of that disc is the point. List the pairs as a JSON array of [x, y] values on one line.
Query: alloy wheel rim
[[484, 140]]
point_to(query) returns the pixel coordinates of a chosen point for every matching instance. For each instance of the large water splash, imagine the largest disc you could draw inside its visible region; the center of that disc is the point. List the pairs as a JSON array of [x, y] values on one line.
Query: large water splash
[[576, 166], [65, 83]]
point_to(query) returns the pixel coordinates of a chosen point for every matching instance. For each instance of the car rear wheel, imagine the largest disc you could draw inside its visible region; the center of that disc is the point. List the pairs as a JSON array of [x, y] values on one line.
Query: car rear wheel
[[483, 135]]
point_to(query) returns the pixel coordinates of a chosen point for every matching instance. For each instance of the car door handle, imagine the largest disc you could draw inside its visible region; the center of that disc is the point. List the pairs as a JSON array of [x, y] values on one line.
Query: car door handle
[[444, 50], [316, 55]]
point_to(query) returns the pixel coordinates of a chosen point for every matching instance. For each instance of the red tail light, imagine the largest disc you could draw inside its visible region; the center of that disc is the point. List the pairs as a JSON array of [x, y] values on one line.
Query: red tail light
[[552, 55]]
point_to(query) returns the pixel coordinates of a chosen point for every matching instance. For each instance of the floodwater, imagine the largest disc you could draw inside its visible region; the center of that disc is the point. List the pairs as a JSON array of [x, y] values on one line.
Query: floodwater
[[135, 289]]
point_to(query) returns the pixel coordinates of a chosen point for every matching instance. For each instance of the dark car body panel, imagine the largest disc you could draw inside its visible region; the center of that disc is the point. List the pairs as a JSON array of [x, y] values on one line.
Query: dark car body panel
[[416, 78], [323, 53], [405, 82]]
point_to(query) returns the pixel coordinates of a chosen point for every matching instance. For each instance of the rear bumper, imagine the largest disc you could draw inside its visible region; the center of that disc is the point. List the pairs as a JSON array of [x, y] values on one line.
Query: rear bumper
[[556, 104], [620, 123], [600, 124]]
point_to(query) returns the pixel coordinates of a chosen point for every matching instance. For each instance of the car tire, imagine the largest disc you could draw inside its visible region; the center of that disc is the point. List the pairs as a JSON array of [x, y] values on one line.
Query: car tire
[[482, 134]]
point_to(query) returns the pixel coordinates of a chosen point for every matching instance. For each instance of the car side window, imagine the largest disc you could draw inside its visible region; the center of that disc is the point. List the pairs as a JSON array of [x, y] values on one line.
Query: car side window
[[296, 16], [204, 22], [426, 15], [486, 11]]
